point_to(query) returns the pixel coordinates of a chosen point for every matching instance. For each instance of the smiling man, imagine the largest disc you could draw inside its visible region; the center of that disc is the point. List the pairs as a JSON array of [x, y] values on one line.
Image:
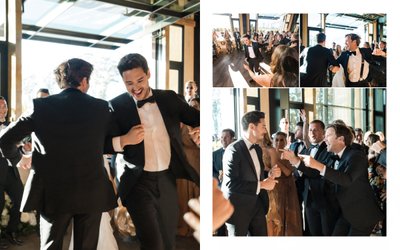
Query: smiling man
[[349, 173], [148, 185]]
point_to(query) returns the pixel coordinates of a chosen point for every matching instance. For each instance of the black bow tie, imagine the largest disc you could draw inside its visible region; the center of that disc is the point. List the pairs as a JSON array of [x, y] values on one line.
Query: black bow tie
[[352, 53], [314, 146], [255, 146], [335, 158], [140, 103], [5, 123]]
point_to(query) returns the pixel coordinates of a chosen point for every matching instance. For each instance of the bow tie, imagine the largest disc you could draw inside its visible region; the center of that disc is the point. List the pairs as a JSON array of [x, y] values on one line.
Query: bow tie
[[140, 103], [5, 123], [335, 158], [314, 146], [255, 146], [352, 53]]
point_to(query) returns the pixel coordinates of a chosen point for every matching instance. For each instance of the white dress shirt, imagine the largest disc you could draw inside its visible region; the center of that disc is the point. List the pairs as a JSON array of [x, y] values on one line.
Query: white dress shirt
[[157, 149], [354, 67], [251, 52]]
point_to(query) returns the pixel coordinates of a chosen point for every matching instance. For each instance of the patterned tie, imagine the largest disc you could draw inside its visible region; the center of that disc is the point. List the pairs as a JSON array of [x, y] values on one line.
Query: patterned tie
[[140, 103]]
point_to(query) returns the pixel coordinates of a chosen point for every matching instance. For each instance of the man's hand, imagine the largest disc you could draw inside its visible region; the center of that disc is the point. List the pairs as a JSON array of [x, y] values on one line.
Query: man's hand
[[193, 218], [290, 156], [275, 172], [268, 183], [194, 134], [133, 137], [309, 161], [222, 208], [303, 115], [25, 162]]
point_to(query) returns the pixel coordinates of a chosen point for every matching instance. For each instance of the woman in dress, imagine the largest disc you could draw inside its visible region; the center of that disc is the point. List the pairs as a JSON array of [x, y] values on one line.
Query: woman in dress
[[284, 217]]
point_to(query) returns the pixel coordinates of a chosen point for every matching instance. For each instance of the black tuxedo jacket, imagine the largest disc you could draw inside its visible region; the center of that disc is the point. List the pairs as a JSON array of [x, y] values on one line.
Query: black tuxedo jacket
[[173, 111], [320, 190], [68, 174], [354, 193], [256, 49], [217, 162], [240, 182], [318, 60], [4, 167], [344, 59]]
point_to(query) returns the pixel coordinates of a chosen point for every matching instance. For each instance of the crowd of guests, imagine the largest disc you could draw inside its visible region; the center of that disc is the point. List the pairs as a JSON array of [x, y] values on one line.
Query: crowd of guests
[[279, 50], [343, 66], [329, 181]]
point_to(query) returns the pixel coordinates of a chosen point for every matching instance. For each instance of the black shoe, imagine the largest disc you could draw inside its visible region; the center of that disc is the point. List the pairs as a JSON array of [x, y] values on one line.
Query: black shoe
[[3, 245], [13, 239]]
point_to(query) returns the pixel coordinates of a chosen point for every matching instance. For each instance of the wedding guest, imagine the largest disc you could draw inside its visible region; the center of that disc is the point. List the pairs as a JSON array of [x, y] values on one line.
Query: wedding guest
[[244, 183], [42, 93], [148, 185], [319, 60], [286, 220], [67, 180], [10, 183], [252, 54], [190, 90], [359, 210]]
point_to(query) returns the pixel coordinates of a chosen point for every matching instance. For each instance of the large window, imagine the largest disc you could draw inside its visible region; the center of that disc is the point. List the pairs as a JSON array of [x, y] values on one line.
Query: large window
[[39, 59]]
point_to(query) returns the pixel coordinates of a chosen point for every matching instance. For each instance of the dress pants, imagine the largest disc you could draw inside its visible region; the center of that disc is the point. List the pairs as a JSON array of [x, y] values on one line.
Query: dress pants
[[54, 226], [14, 188], [153, 206], [254, 65], [256, 226], [343, 228]]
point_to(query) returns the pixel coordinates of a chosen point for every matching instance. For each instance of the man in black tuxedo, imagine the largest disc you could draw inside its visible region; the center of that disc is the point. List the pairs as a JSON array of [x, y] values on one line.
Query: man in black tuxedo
[[359, 212], [244, 183], [227, 137], [252, 54], [148, 185], [236, 34], [318, 60], [321, 210], [10, 182], [355, 62], [67, 180]]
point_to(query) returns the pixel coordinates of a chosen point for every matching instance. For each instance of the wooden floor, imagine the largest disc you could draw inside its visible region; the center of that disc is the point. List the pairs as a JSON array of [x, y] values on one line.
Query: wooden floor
[[31, 242], [228, 71]]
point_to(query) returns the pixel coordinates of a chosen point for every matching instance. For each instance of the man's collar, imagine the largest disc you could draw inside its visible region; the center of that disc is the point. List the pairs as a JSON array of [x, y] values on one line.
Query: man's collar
[[341, 153]]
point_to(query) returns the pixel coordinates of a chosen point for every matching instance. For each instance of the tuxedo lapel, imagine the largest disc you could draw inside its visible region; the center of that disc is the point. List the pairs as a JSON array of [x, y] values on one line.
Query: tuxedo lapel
[[248, 157], [343, 160], [320, 149]]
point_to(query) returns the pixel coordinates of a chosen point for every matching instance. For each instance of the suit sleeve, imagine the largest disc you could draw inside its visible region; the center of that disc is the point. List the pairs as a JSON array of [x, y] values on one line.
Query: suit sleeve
[[113, 131], [12, 136], [231, 169], [187, 114], [309, 172], [356, 166]]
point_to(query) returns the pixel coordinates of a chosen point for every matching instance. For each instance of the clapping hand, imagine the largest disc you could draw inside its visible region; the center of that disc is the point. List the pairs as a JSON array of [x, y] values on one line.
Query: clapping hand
[[25, 162]]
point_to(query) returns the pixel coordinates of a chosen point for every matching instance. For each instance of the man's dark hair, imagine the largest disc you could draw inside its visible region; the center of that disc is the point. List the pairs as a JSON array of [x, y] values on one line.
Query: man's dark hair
[[342, 130], [246, 36], [132, 61], [2, 98], [252, 117], [354, 37], [358, 130], [300, 124], [230, 131], [44, 90], [321, 123], [70, 73], [321, 37]]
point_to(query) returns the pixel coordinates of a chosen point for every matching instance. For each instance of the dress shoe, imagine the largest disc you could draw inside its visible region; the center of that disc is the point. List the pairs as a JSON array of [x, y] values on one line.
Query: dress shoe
[[3, 245], [13, 239]]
